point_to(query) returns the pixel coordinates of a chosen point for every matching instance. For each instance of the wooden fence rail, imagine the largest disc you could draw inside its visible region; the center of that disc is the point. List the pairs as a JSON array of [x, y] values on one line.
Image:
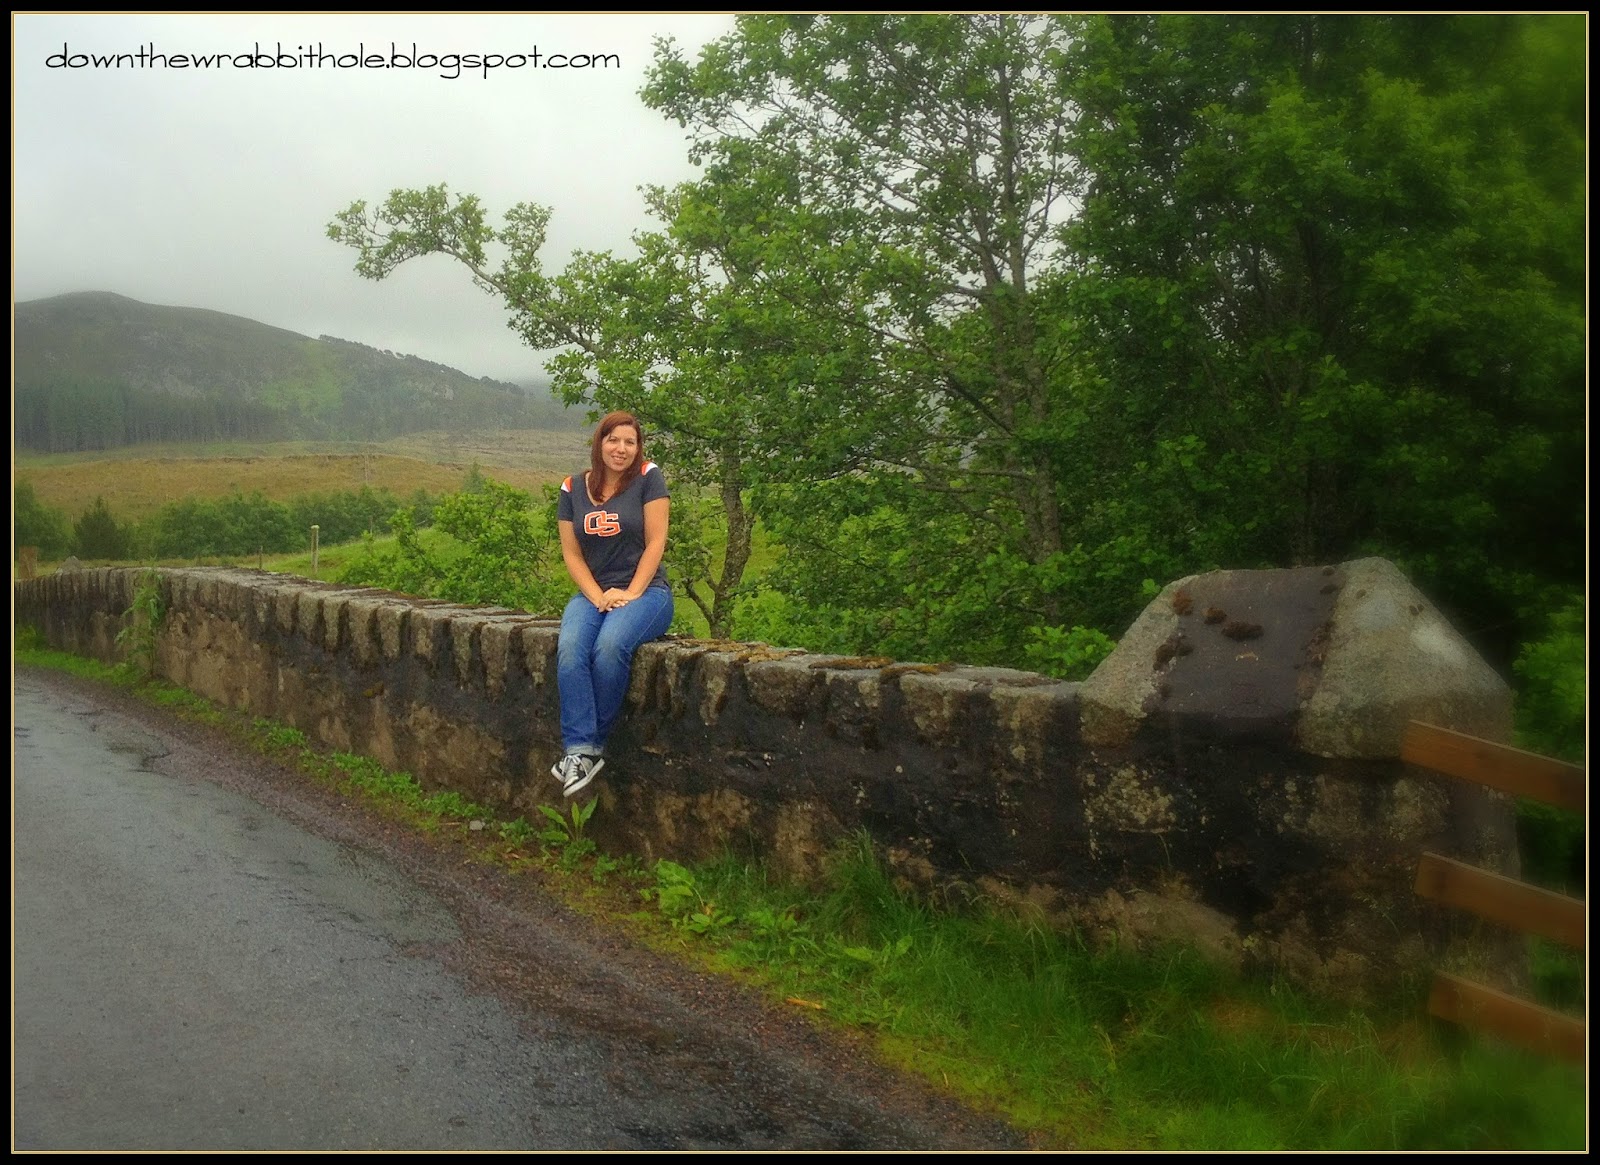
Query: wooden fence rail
[[1499, 766], [1496, 897]]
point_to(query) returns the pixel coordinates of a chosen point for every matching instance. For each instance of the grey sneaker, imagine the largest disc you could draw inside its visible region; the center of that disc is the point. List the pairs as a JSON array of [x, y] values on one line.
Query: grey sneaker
[[587, 768], [565, 770]]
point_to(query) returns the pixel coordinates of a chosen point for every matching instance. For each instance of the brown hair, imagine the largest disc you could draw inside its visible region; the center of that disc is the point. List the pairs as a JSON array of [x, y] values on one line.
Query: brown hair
[[597, 466]]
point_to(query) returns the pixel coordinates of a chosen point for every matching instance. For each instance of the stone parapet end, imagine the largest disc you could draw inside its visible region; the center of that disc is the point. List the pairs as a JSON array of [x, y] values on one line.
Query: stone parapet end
[[1390, 658]]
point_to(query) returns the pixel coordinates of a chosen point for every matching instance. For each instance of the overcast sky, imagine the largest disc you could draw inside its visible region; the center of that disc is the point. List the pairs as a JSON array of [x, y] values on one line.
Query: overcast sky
[[213, 187]]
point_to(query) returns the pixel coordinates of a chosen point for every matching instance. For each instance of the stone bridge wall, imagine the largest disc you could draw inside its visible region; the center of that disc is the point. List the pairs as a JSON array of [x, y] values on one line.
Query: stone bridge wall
[[1225, 778]]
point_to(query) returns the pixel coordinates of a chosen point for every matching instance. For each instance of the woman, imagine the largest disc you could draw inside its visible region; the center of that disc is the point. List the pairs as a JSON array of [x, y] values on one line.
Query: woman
[[613, 522]]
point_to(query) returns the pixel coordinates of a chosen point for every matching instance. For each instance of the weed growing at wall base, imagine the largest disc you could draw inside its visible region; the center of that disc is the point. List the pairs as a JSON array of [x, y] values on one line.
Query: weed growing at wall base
[[518, 833], [141, 625], [564, 833]]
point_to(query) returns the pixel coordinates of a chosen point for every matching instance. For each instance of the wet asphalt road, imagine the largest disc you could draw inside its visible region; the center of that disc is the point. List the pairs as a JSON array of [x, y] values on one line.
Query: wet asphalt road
[[195, 971]]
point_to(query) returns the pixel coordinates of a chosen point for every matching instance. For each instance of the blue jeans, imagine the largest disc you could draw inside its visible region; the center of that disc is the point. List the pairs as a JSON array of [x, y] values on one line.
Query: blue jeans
[[593, 660]]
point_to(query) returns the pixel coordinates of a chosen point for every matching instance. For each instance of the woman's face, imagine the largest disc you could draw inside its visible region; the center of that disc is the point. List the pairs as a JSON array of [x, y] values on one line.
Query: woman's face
[[619, 448]]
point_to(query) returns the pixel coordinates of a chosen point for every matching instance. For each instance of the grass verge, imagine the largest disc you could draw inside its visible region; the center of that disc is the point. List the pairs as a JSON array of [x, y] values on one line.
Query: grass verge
[[1110, 1049], [1080, 1047]]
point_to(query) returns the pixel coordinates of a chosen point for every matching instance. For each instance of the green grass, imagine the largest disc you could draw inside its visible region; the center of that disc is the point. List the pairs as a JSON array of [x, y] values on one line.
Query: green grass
[[330, 559], [1107, 1049], [29, 647]]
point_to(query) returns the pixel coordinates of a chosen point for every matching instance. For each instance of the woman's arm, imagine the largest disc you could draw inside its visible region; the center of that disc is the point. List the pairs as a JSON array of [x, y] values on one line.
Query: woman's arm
[[655, 545], [572, 555]]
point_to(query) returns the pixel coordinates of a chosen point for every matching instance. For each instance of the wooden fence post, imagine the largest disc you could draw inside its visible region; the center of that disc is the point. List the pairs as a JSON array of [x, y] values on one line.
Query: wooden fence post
[[1498, 898]]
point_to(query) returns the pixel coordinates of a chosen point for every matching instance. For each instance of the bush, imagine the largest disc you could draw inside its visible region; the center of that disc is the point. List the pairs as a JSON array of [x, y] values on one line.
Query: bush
[[98, 534], [345, 516], [500, 554], [35, 524], [236, 525], [240, 524], [1553, 686], [1068, 655], [1550, 719]]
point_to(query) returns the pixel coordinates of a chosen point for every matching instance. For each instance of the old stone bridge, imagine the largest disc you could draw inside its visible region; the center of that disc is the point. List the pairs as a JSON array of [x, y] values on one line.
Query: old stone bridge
[[1228, 777]]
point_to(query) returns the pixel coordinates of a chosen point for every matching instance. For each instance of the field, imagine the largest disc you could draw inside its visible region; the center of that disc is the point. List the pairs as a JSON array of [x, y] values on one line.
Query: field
[[139, 480]]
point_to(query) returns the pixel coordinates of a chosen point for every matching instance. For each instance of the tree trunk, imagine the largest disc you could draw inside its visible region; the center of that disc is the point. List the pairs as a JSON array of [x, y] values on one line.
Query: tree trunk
[[740, 525]]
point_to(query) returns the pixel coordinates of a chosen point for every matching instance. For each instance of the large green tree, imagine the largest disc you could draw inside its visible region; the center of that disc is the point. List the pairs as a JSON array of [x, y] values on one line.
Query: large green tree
[[994, 319], [1320, 294], [903, 180], [723, 372], [840, 321], [1331, 269]]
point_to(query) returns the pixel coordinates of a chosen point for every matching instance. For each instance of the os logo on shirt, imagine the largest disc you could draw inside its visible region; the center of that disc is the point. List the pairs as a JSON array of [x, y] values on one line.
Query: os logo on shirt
[[601, 524]]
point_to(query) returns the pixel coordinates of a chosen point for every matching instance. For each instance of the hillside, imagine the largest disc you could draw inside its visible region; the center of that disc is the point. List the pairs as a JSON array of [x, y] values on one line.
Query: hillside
[[94, 370]]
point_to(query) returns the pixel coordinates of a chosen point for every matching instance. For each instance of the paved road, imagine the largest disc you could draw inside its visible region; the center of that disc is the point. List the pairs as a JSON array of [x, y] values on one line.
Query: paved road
[[196, 970]]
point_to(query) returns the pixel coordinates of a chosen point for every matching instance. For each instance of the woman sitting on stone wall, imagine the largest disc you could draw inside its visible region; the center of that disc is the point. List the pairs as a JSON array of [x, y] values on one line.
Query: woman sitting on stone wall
[[613, 522]]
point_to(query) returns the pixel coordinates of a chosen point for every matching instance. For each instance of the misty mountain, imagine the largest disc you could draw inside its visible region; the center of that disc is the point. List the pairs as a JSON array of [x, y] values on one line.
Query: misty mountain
[[94, 370]]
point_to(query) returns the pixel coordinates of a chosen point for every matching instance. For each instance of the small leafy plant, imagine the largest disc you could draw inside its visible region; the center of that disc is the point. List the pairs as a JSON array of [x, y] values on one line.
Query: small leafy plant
[[142, 621], [278, 737], [518, 833], [876, 957], [779, 929], [565, 833], [679, 897]]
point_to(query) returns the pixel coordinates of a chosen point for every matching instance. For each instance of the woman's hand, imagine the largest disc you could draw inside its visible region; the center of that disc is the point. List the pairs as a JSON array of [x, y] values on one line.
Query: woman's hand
[[614, 598]]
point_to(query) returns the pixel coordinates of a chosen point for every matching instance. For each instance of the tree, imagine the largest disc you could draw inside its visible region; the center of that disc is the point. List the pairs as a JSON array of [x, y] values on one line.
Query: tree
[[98, 534], [672, 335], [504, 540], [900, 180], [805, 302], [995, 319], [1322, 295], [747, 392], [37, 525], [234, 525], [1331, 272]]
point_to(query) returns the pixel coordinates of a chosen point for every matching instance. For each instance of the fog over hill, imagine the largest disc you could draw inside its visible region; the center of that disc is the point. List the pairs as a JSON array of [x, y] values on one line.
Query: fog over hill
[[94, 370]]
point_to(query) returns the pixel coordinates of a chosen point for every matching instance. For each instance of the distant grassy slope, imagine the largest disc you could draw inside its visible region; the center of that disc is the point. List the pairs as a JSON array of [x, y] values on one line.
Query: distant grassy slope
[[128, 363], [550, 449], [138, 481]]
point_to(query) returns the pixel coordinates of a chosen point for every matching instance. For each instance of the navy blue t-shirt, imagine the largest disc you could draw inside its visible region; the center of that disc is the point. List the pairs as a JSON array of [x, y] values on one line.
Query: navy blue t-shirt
[[611, 535]]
